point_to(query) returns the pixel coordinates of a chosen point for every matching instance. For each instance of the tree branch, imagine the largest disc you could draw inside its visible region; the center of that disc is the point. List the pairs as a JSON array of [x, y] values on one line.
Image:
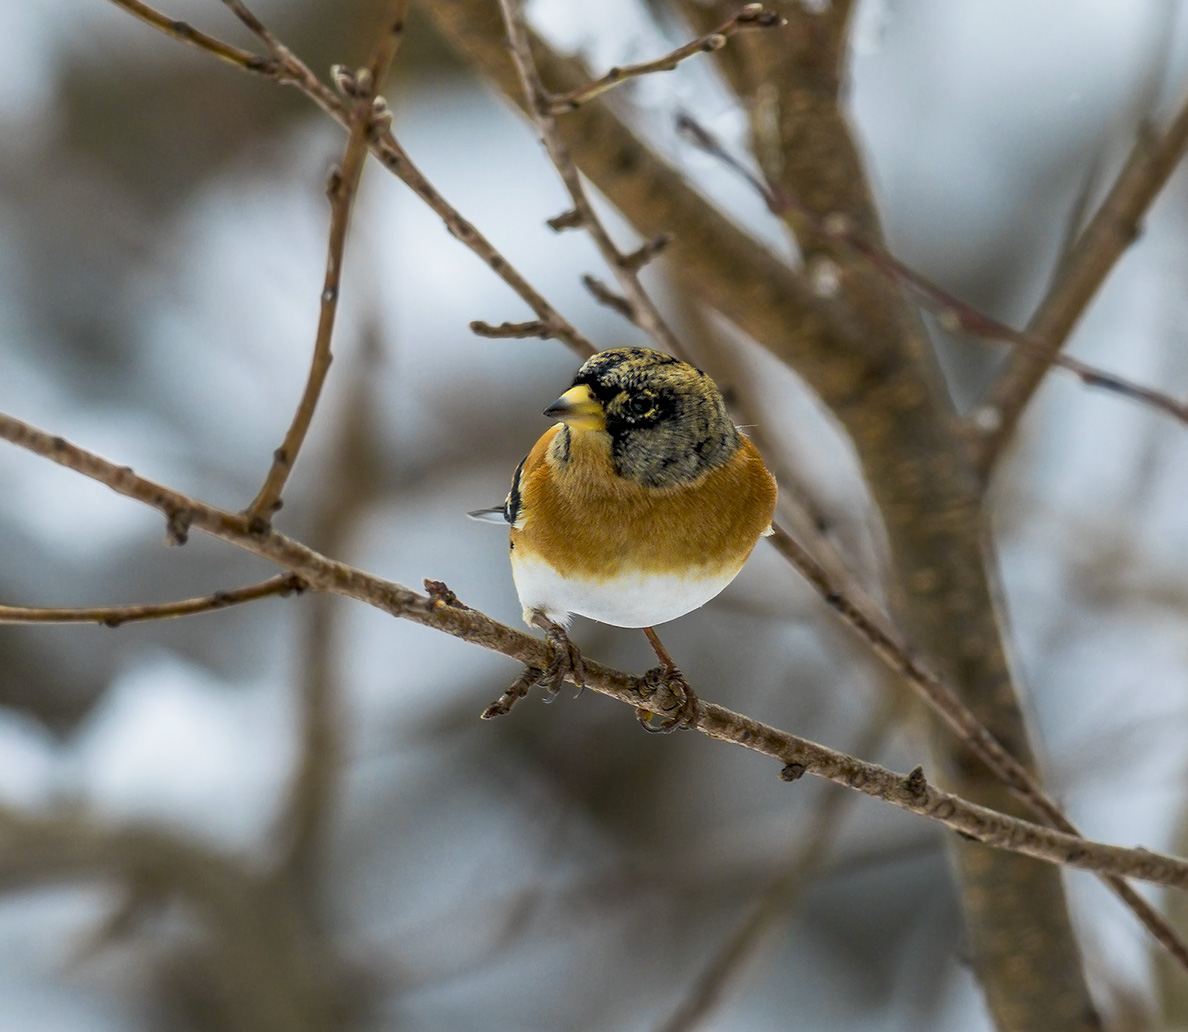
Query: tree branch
[[752, 16], [362, 91], [115, 616], [186, 33]]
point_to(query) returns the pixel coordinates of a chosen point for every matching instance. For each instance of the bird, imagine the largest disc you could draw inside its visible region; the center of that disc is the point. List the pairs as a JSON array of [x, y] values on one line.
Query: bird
[[639, 505]]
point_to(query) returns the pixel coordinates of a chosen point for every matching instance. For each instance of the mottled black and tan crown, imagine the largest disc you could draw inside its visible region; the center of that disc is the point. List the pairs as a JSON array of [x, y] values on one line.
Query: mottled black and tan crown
[[666, 419]]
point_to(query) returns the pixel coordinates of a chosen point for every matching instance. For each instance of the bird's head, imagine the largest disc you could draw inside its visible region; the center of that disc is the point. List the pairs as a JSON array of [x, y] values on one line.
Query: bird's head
[[666, 420]]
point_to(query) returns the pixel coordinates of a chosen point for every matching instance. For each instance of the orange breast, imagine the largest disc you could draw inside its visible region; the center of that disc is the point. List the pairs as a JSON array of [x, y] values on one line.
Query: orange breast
[[585, 520]]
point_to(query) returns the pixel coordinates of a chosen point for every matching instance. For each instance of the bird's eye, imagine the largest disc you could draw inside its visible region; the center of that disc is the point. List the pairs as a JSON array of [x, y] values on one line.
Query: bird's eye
[[639, 404]]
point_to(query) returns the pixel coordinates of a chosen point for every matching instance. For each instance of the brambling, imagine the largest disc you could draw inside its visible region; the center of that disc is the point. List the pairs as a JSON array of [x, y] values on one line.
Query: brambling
[[638, 507]]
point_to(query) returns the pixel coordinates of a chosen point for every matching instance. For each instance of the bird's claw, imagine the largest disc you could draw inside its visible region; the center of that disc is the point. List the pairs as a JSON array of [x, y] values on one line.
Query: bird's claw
[[566, 663], [567, 659], [685, 710]]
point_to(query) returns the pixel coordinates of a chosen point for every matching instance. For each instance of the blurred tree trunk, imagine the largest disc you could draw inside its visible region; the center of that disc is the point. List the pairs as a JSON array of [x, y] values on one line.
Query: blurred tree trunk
[[865, 353], [1173, 992]]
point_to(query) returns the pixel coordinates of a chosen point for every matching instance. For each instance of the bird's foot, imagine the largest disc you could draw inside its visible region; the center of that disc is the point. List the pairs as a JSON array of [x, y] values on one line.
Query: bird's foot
[[675, 698], [566, 663], [567, 659], [666, 679]]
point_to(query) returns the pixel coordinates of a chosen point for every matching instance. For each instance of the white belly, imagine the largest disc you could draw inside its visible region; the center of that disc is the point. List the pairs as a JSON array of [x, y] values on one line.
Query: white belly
[[630, 600]]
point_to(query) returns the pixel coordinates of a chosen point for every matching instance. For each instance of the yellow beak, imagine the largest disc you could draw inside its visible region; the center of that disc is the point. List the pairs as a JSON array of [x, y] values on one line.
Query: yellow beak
[[578, 408]]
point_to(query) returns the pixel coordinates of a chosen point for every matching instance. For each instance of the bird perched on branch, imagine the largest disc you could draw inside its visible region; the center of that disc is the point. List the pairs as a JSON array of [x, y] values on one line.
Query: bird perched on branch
[[638, 507]]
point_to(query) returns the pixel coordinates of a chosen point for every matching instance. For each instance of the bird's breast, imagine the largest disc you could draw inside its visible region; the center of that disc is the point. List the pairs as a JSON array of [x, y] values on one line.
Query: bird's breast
[[586, 522]]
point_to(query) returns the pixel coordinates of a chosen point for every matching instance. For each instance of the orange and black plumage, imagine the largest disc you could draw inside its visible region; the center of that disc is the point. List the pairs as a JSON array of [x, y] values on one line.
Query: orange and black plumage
[[641, 504]]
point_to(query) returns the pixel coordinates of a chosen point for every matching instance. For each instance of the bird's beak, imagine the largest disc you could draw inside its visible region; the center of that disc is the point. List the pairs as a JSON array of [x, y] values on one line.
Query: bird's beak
[[579, 408]]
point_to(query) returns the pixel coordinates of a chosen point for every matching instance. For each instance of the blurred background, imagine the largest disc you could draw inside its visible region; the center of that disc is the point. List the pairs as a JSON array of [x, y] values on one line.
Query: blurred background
[[162, 245]]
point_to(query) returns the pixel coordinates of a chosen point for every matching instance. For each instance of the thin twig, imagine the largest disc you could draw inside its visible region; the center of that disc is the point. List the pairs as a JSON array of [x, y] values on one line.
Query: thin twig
[[257, 28], [648, 250], [951, 311], [607, 297], [116, 616], [519, 330], [362, 90], [1111, 231], [910, 792], [753, 16], [186, 33], [643, 312], [293, 71]]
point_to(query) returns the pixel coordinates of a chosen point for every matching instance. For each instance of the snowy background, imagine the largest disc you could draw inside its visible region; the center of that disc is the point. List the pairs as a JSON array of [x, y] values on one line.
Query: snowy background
[[162, 244]]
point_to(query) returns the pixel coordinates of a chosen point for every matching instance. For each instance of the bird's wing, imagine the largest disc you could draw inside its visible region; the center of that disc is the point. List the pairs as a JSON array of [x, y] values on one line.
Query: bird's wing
[[510, 510]]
